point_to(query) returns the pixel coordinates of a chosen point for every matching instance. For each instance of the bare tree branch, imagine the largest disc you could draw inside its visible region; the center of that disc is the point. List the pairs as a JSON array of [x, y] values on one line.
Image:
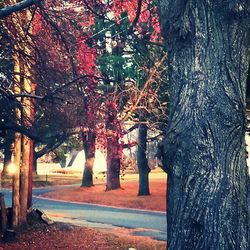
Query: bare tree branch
[[50, 146], [6, 11]]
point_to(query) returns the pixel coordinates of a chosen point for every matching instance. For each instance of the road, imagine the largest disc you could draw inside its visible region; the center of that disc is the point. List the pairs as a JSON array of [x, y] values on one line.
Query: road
[[152, 224]]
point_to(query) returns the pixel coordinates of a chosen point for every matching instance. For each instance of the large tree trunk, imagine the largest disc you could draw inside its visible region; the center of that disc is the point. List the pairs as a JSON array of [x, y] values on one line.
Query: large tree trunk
[[142, 161], [204, 150], [89, 149]]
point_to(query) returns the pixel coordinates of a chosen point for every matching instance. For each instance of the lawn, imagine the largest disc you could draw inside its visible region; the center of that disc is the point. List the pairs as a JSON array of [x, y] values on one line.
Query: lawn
[[124, 197]]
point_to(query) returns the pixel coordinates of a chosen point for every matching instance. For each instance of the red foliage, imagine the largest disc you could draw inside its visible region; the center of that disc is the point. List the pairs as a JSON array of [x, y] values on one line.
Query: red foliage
[[37, 23], [148, 16], [86, 57]]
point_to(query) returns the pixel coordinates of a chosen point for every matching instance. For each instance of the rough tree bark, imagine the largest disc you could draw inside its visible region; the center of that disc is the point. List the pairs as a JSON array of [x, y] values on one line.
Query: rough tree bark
[[142, 161], [204, 149], [89, 149]]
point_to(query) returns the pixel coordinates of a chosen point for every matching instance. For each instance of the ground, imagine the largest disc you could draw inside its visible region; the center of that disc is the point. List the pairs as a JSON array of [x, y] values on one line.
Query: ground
[[124, 197], [63, 236]]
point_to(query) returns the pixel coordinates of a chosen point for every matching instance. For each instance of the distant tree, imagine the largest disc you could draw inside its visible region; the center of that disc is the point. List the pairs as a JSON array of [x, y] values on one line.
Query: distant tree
[[204, 148], [124, 33]]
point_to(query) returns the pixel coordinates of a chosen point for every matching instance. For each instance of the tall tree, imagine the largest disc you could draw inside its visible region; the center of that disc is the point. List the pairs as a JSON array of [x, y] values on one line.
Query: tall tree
[[19, 29], [123, 35], [204, 149]]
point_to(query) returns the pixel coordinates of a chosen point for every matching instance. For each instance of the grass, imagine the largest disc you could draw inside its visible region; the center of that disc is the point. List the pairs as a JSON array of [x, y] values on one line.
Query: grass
[[124, 197]]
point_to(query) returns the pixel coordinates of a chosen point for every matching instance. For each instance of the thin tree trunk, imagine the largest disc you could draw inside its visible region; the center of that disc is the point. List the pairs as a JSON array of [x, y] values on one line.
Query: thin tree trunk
[[16, 153], [26, 121], [142, 161], [7, 158], [89, 149], [30, 184], [35, 165], [7, 150], [113, 151], [204, 150], [32, 148], [24, 179], [9, 139], [3, 212], [16, 181]]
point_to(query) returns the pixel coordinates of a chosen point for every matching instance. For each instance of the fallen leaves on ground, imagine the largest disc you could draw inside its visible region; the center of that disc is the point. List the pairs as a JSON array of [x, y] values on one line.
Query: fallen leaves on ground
[[124, 197], [64, 236]]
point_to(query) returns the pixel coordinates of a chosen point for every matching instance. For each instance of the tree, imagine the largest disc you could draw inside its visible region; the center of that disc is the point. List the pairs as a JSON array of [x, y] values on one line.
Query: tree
[[123, 36], [49, 69], [204, 148], [147, 104]]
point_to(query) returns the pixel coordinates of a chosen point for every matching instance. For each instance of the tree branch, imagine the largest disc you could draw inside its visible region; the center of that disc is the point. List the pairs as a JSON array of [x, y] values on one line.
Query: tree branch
[[131, 128], [138, 12], [50, 147], [92, 10], [6, 11]]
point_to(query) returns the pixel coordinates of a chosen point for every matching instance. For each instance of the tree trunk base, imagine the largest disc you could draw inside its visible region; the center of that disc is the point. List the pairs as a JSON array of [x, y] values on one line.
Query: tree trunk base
[[113, 188], [87, 185], [9, 236], [144, 193]]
